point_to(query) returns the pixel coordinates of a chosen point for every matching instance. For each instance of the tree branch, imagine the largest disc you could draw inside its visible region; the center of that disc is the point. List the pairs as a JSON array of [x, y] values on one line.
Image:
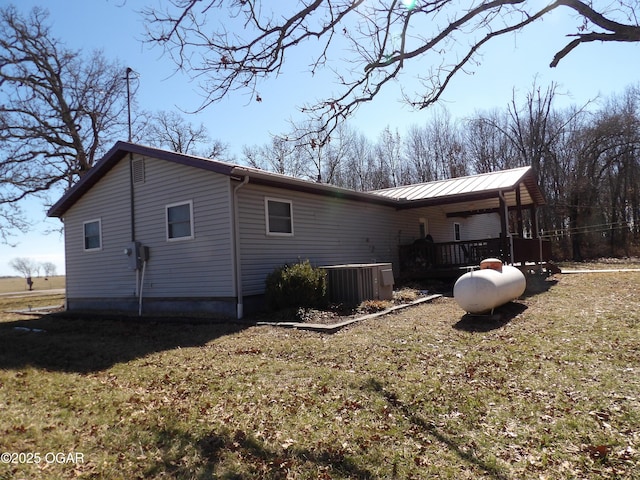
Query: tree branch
[[229, 63]]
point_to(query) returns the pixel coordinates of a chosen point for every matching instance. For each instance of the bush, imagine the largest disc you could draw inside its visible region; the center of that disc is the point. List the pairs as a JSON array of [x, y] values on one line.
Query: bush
[[297, 285], [373, 306]]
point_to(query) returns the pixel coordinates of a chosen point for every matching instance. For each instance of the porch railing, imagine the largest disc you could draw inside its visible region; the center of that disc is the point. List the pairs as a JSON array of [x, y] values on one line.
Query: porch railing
[[531, 250], [423, 256], [428, 255]]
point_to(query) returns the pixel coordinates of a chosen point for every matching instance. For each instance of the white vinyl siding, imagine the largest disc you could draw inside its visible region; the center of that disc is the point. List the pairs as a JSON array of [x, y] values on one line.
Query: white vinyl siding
[[328, 231], [482, 226], [104, 273], [179, 221], [200, 268], [278, 216], [92, 235], [441, 229]]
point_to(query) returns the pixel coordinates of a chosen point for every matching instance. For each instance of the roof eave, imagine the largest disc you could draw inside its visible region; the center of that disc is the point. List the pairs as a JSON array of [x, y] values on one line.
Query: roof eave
[[291, 183], [117, 153], [121, 149]]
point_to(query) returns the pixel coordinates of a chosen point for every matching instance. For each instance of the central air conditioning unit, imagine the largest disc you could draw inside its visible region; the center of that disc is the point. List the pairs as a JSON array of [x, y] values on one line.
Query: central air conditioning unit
[[357, 282]]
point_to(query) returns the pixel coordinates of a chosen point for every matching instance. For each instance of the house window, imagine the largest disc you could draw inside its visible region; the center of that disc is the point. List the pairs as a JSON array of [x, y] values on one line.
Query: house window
[[456, 232], [180, 221], [92, 235], [279, 217]]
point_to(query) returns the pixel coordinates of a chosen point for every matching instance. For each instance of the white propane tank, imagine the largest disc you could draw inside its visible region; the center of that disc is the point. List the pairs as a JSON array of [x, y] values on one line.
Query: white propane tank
[[493, 285]]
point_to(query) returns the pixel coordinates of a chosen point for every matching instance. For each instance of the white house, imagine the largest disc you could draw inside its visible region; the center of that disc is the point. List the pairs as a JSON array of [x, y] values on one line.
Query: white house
[[189, 234]]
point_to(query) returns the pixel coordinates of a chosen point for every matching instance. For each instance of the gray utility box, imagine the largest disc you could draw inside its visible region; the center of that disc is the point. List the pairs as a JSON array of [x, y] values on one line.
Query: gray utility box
[[356, 282]]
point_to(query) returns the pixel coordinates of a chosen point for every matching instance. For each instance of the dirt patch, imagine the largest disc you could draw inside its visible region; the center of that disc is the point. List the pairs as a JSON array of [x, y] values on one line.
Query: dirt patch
[[342, 313]]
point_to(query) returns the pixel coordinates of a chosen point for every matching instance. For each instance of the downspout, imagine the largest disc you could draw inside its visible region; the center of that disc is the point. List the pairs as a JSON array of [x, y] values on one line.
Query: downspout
[[132, 199], [506, 221], [144, 268], [236, 249], [132, 216]]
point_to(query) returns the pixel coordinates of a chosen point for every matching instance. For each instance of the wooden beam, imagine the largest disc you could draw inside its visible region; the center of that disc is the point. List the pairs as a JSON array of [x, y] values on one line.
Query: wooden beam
[[519, 213], [504, 229], [534, 222], [469, 213], [481, 211]]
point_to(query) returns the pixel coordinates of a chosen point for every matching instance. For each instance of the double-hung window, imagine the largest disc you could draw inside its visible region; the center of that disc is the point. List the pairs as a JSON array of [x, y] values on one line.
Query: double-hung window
[[279, 217], [92, 233], [179, 221]]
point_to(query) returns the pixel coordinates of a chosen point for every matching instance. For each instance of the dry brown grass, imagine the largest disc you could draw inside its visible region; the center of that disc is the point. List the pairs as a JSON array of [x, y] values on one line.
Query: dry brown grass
[[550, 390], [19, 284]]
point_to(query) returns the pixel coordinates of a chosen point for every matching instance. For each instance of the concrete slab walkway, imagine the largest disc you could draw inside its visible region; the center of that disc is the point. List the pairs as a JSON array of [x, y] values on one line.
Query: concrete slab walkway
[[602, 270]]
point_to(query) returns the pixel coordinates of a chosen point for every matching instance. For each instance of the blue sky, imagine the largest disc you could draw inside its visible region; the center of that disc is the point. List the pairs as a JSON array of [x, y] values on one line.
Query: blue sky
[[510, 63]]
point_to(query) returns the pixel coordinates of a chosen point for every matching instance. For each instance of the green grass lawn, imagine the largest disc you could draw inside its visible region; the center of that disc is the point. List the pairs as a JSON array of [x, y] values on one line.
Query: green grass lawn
[[550, 391]]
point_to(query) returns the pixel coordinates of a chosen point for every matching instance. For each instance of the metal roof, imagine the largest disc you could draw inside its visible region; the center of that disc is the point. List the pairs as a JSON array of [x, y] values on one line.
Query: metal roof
[[457, 190], [485, 185]]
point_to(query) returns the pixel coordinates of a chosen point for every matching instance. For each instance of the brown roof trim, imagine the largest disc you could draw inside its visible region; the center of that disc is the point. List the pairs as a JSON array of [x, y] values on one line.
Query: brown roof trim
[[122, 149], [262, 177], [117, 153]]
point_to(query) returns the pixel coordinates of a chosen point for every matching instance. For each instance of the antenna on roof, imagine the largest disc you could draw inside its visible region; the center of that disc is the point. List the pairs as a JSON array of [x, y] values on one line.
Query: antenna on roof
[[129, 71]]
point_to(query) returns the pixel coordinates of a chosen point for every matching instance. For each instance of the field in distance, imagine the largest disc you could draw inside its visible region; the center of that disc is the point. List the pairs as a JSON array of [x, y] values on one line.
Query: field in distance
[[19, 284]]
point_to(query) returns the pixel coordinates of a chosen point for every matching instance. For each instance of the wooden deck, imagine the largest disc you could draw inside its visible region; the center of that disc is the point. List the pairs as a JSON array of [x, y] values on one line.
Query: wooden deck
[[428, 259]]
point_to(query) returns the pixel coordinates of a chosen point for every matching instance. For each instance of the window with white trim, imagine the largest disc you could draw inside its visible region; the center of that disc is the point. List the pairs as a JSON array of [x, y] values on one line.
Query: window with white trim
[[180, 221], [92, 233], [279, 216]]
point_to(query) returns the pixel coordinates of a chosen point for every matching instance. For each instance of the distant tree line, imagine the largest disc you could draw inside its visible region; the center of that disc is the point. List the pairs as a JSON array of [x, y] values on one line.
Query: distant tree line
[[61, 110], [587, 160], [29, 268]]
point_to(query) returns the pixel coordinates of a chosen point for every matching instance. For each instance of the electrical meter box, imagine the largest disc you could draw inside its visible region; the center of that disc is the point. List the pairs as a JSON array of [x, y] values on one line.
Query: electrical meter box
[[136, 254]]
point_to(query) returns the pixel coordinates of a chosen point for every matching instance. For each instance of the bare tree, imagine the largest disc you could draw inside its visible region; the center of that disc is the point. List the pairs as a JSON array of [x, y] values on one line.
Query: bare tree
[[597, 202], [26, 267], [216, 149], [435, 150], [418, 153], [57, 107], [167, 129], [236, 45], [488, 145], [11, 219], [314, 155], [49, 269], [358, 157], [389, 159], [280, 156]]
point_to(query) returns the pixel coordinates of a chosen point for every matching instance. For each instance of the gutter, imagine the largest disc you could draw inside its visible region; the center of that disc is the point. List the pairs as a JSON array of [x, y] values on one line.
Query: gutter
[[236, 249]]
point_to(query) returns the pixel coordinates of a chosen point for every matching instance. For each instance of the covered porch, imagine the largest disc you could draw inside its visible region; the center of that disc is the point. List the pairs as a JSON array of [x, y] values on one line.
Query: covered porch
[[503, 207]]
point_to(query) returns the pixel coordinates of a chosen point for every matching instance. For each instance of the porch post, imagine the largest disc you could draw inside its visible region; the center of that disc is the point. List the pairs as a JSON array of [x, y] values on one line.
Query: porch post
[[504, 227], [534, 221], [519, 213]]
